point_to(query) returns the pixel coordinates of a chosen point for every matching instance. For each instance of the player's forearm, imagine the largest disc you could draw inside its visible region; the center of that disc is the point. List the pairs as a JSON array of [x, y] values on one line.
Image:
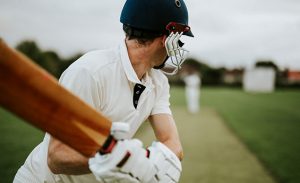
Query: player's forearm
[[166, 132], [67, 166], [64, 160], [174, 146]]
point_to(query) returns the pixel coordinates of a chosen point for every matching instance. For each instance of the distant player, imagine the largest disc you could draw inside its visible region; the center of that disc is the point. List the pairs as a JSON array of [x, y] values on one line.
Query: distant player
[[128, 86], [192, 92]]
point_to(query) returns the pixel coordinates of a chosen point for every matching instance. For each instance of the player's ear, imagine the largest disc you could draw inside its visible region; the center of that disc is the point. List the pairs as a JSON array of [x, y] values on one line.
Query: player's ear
[[164, 37]]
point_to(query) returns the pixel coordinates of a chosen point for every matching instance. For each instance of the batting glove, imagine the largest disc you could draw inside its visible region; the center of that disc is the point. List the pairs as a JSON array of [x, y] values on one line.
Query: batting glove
[[125, 162], [166, 162]]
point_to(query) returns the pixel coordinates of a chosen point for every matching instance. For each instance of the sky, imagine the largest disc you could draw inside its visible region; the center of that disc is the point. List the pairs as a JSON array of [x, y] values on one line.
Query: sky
[[228, 33]]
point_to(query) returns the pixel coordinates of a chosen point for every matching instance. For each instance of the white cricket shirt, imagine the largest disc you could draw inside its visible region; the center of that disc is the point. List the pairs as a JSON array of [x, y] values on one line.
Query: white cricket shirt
[[106, 80]]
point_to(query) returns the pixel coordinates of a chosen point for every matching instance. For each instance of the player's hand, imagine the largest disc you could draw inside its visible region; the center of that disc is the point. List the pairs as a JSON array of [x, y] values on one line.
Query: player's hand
[[126, 162], [166, 162]]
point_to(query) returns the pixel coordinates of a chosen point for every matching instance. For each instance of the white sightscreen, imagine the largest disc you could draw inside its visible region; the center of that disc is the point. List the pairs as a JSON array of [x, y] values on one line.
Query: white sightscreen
[[259, 80]]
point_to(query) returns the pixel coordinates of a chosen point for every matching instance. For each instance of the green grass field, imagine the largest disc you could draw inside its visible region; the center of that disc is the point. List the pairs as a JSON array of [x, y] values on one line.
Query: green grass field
[[269, 124], [17, 140]]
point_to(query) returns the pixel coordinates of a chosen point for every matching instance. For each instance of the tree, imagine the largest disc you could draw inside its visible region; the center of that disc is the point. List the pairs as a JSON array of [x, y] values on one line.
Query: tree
[[266, 63], [209, 75], [49, 60]]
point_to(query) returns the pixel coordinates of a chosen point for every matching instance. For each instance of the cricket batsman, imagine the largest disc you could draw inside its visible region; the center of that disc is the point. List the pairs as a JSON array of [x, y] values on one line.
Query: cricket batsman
[[127, 84]]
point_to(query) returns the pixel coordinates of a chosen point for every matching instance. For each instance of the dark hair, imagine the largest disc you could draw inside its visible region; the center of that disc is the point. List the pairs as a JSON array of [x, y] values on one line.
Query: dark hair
[[142, 36]]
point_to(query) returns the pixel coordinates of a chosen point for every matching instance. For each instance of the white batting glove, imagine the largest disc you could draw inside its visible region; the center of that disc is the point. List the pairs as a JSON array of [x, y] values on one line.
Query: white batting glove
[[166, 162], [125, 163]]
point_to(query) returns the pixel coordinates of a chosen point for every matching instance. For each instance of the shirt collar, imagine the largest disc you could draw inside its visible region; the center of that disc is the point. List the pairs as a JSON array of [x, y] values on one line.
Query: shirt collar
[[129, 71]]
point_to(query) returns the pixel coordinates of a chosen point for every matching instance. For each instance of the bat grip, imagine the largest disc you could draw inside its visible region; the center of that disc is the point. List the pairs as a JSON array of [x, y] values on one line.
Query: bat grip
[[108, 145]]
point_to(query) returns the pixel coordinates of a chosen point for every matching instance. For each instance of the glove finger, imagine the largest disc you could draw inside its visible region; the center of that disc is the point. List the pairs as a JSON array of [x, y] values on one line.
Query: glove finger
[[139, 169]]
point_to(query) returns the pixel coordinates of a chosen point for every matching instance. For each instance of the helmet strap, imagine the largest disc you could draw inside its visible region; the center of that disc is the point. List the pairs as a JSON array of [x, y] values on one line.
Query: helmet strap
[[161, 65]]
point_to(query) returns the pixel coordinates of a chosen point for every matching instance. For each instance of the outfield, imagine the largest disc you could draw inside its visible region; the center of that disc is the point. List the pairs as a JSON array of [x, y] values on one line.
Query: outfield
[[268, 123]]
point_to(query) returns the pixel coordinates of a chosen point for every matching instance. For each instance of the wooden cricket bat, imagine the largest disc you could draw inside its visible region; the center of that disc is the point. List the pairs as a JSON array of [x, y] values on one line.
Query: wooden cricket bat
[[34, 95]]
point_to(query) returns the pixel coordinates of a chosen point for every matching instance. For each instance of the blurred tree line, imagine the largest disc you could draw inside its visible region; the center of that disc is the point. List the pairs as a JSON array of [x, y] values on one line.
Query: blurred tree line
[[49, 60], [210, 76]]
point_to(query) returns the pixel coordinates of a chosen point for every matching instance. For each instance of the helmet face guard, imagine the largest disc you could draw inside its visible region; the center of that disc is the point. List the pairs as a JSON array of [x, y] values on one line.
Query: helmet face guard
[[175, 52]]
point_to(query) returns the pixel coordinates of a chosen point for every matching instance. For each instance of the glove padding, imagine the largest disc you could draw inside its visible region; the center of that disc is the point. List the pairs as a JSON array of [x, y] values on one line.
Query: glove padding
[[166, 162], [127, 161]]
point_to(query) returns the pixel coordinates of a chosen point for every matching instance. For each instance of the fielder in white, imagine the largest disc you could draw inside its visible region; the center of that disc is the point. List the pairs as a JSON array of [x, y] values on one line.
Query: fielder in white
[[192, 92], [126, 84]]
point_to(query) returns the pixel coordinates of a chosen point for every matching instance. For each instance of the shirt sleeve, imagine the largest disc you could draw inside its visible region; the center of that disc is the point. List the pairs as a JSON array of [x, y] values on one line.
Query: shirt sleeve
[[162, 104], [80, 82]]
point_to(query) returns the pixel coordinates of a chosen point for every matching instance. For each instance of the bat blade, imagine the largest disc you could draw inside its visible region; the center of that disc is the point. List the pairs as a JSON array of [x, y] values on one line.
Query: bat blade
[[36, 96]]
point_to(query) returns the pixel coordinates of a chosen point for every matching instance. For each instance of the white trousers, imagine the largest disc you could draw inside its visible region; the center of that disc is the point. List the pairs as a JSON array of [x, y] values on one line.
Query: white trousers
[[192, 98]]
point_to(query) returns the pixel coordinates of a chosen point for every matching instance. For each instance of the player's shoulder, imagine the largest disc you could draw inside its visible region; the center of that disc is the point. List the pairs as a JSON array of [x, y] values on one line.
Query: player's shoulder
[[157, 73], [94, 64], [95, 60], [158, 77]]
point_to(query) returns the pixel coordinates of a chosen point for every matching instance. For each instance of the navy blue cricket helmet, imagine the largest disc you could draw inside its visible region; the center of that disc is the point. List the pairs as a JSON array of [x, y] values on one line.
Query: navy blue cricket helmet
[[154, 15]]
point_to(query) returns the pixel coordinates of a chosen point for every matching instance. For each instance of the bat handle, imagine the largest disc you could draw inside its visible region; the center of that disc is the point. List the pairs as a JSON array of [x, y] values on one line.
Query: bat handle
[[108, 145]]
